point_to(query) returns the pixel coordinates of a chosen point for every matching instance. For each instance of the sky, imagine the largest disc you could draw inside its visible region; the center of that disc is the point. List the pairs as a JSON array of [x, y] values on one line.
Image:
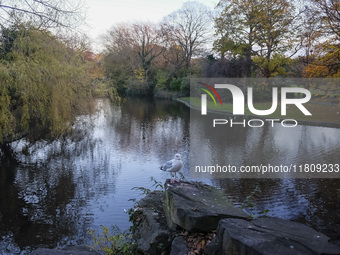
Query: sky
[[103, 14]]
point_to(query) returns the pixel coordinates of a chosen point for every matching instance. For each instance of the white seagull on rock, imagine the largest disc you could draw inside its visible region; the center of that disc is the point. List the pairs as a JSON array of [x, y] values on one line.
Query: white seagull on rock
[[173, 166]]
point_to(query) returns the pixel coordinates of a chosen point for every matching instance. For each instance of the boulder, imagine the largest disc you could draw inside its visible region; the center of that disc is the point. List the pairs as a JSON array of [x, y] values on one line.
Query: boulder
[[150, 228], [179, 246], [268, 236], [197, 207]]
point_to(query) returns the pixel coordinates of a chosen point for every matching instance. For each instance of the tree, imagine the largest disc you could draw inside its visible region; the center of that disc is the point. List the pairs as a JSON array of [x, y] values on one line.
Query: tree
[[329, 11], [236, 29], [146, 40], [174, 56], [118, 55], [326, 40], [325, 58], [130, 51], [43, 85], [41, 13], [259, 30], [188, 28]]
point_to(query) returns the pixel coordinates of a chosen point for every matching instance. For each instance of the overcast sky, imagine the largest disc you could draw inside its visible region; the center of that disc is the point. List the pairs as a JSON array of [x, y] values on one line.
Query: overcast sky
[[102, 14]]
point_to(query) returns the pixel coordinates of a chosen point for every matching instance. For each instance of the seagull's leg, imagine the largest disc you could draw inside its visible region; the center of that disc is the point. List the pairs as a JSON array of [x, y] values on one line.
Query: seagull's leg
[[171, 180], [177, 180]]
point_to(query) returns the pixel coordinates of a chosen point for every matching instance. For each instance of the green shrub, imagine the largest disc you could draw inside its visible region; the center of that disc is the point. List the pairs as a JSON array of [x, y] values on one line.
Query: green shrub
[[175, 84], [116, 243]]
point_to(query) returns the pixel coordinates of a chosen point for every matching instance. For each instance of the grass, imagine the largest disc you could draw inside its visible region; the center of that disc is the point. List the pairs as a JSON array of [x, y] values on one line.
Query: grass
[[320, 112]]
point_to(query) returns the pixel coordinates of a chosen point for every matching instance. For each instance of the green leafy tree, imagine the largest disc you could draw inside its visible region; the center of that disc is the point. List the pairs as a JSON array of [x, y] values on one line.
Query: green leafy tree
[[275, 35], [236, 29], [44, 85], [260, 31]]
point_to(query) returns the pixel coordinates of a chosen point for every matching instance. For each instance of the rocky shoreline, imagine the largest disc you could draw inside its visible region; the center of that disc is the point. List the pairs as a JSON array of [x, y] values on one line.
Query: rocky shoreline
[[189, 218], [193, 218]]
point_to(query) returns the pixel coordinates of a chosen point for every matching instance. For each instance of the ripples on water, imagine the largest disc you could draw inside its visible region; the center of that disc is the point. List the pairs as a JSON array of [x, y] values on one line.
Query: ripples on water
[[56, 191]]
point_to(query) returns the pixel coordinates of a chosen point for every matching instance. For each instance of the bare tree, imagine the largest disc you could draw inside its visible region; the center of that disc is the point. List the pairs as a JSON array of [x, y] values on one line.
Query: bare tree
[[329, 11], [146, 41], [77, 42], [42, 13], [188, 28], [117, 38], [174, 55], [141, 43]]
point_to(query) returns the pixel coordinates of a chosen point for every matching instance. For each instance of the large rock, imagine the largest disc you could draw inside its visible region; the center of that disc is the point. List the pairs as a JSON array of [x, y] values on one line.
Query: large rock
[[268, 236], [150, 228], [197, 207], [179, 246]]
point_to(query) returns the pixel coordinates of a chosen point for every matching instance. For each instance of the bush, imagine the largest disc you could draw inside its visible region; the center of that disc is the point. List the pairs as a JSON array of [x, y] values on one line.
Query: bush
[[175, 84], [162, 80], [118, 243]]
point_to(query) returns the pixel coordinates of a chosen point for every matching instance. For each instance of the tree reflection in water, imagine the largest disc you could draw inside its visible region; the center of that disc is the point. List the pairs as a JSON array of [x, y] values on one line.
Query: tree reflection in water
[[315, 202], [53, 192]]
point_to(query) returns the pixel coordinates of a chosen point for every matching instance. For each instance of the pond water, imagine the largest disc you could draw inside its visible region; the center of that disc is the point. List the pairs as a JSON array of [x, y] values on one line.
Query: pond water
[[52, 193]]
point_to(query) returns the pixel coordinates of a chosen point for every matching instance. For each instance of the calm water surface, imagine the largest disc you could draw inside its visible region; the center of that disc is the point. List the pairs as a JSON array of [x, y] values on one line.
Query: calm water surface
[[54, 192]]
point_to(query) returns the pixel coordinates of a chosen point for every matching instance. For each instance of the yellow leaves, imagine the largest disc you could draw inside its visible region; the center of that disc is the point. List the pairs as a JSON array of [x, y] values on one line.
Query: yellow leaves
[[326, 63], [337, 75], [95, 70], [139, 74], [313, 71]]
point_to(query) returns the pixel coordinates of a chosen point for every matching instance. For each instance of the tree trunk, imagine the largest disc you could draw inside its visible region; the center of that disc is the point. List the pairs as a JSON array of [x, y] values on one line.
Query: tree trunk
[[249, 61]]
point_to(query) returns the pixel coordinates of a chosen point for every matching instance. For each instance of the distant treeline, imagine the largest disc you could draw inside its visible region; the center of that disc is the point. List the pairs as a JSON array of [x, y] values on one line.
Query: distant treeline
[[47, 77], [251, 38]]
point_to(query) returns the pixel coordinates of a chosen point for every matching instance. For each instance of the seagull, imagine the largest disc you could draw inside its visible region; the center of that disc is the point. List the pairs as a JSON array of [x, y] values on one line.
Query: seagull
[[173, 166]]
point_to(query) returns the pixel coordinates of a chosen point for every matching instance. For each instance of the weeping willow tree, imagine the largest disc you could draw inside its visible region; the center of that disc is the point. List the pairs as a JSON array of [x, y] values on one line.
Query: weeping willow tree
[[43, 84]]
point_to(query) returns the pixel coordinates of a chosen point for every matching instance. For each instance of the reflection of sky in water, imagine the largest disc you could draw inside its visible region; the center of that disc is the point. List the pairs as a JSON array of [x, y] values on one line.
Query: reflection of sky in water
[[244, 146], [86, 180], [307, 142], [312, 201], [65, 187]]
